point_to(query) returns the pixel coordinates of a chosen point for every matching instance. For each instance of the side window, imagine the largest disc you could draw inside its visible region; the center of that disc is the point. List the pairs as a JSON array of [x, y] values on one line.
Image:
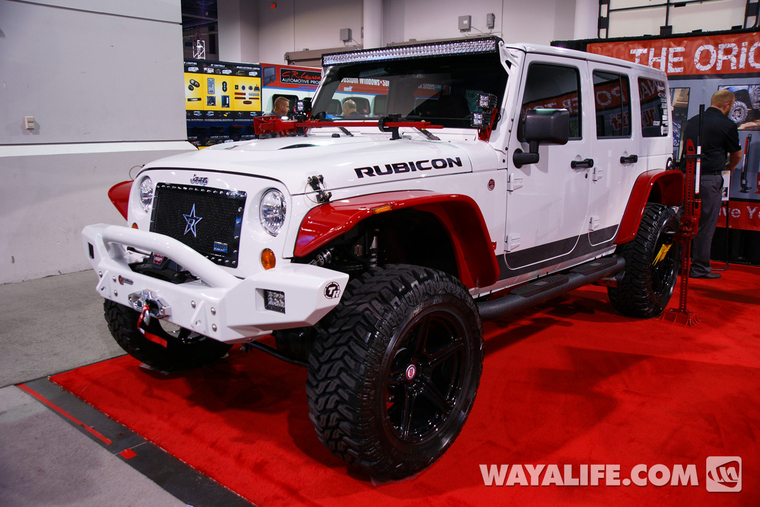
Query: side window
[[612, 99], [554, 87], [654, 110]]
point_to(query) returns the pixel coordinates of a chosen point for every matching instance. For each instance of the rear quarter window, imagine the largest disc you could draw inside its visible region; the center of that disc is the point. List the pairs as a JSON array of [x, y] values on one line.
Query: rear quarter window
[[654, 108], [612, 101]]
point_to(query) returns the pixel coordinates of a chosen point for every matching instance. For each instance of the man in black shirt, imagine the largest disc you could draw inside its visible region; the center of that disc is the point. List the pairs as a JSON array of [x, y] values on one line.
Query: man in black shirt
[[719, 137]]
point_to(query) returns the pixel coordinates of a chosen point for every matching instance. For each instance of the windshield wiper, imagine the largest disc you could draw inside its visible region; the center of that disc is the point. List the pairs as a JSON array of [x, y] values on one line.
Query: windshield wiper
[[427, 134]]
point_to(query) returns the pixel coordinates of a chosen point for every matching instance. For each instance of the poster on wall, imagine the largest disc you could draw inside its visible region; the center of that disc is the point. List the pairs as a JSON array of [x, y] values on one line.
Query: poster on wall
[[698, 66], [294, 83], [221, 91], [746, 110]]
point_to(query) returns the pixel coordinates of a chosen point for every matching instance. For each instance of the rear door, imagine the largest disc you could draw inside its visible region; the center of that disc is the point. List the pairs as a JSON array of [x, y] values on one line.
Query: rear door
[[617, 162]]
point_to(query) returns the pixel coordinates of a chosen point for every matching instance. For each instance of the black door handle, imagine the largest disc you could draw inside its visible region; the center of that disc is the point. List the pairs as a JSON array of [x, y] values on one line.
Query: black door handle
[[575, 164], [629, 160]]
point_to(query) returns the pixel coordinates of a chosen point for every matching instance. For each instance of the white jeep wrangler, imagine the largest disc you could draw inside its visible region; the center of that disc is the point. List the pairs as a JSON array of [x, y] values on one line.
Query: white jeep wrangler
[[474, 179]]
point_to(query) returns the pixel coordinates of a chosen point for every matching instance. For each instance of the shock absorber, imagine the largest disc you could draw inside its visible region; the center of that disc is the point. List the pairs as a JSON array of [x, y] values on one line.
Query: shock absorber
[[373, 251], [323, 258]]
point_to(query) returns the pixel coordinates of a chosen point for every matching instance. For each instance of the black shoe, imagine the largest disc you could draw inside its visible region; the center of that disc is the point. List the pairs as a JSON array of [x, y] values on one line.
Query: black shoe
[[709, 276]]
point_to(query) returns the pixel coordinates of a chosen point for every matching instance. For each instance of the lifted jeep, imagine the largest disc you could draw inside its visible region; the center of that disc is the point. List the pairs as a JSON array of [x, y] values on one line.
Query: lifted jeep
[[474, 179]]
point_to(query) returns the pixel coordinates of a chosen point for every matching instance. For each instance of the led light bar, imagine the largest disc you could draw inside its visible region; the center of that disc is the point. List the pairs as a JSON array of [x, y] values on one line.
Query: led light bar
[[461, 47]]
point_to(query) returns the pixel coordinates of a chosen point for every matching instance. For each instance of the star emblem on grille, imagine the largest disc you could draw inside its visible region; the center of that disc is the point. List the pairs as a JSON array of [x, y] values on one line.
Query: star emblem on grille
[[192, 220]]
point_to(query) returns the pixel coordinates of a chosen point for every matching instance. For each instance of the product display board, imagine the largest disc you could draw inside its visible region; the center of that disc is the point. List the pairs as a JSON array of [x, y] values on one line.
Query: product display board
[[697, 67], [221, 90]]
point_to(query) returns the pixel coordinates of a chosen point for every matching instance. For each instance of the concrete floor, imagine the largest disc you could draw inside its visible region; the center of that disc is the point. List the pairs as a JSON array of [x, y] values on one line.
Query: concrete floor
[[52, 325]]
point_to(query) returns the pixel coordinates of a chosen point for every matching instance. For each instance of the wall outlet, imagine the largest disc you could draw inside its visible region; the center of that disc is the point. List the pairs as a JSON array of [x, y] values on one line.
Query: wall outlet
[[465, 22], [490, 20]]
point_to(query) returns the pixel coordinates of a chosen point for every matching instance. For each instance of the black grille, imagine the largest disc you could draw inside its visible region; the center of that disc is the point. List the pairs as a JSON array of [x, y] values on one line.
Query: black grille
[[208, 220]]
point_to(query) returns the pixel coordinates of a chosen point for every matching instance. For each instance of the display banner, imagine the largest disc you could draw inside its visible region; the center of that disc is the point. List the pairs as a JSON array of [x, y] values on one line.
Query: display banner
[[296, 78], [743, 215], [697, 67], [706, 55]]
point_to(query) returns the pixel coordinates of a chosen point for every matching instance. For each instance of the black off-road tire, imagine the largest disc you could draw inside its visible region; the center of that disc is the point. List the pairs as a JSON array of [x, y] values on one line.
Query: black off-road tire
[[646, 287], [393, 378], [176, 356]]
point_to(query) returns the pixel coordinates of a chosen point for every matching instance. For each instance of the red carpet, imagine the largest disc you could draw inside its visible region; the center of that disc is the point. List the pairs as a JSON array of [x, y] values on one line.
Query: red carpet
[[569, 383]]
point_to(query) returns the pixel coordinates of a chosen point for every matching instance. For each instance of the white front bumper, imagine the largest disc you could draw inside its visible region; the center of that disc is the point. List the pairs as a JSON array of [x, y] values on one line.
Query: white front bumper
[[218, 305]]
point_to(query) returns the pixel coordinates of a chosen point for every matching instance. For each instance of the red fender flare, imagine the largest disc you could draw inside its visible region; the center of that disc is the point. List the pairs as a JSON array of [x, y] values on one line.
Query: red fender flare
[[119, 195], [661, 185], [459, 214]]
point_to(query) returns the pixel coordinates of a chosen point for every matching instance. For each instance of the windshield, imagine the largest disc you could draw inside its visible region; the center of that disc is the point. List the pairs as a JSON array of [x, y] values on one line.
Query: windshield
[[442, 90]]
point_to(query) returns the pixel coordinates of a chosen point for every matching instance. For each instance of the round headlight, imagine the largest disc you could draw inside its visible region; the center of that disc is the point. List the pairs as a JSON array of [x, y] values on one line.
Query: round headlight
[[272, 211], [146, 193]]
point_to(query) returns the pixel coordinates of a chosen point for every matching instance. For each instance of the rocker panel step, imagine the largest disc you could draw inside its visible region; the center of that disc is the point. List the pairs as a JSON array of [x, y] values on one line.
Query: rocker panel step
[[544, 289]]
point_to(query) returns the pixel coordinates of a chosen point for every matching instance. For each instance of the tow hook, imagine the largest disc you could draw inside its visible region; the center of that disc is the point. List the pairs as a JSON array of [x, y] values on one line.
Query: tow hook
[[149, 305], [156, 307]]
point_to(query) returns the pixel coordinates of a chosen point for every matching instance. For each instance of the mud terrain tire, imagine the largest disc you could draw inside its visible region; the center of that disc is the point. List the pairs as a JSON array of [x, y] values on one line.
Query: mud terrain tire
[[392, 380], [646, 286]]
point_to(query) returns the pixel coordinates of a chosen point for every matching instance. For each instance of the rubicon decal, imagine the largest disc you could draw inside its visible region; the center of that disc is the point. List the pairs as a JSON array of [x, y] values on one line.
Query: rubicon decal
[[407, 167]]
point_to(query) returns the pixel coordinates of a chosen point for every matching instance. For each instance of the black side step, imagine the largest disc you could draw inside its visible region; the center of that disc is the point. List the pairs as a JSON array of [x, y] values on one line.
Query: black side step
[[549, 287]]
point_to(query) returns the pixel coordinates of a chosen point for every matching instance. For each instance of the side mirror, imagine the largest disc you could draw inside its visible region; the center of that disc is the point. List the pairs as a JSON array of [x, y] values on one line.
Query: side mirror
[[542, 125]]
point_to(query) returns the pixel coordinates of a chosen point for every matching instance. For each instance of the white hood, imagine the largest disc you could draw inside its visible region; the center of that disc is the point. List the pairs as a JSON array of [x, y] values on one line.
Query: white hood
[[343, 162]]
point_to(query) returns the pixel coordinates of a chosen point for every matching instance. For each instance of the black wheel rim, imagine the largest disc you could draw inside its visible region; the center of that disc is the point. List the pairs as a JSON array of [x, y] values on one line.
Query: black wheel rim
[[426, 377], [664, 272]]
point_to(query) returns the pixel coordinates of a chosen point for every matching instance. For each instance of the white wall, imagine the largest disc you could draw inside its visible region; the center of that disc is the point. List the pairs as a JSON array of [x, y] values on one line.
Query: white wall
[[103, 80], [707, 16], [296, 25], [300, 24], [238, 35]]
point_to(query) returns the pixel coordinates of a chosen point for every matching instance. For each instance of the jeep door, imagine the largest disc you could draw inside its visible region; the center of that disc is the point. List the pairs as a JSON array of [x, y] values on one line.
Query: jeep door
[[547, 201], [617, 161]]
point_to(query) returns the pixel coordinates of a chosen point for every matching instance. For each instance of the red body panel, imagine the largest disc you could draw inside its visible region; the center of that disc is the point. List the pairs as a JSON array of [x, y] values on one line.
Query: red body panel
[[665, 187], [459, 214], [119, 195]]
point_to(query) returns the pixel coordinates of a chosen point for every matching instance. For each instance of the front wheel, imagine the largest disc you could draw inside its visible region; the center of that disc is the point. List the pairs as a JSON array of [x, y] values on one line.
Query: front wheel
[[652, 261], [393, 379], [183, 351]]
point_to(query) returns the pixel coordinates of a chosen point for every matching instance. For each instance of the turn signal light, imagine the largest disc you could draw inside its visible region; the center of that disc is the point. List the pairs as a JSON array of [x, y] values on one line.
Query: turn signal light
[[134, 225], [382, 209], [268, 259]]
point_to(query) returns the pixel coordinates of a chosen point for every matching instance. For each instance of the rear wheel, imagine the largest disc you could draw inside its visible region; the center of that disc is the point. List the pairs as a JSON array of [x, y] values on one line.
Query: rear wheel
[[184, 350], [393, 379], [652, 261]]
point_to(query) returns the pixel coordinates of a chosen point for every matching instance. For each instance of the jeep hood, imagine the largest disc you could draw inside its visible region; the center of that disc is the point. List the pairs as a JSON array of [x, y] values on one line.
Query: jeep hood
[[343, 162]]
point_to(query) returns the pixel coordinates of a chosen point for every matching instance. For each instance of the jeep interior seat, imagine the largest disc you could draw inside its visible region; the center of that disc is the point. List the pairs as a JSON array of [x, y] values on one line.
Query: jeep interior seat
[[381, 105], [453, 106], [335, 108], [426, 107]]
